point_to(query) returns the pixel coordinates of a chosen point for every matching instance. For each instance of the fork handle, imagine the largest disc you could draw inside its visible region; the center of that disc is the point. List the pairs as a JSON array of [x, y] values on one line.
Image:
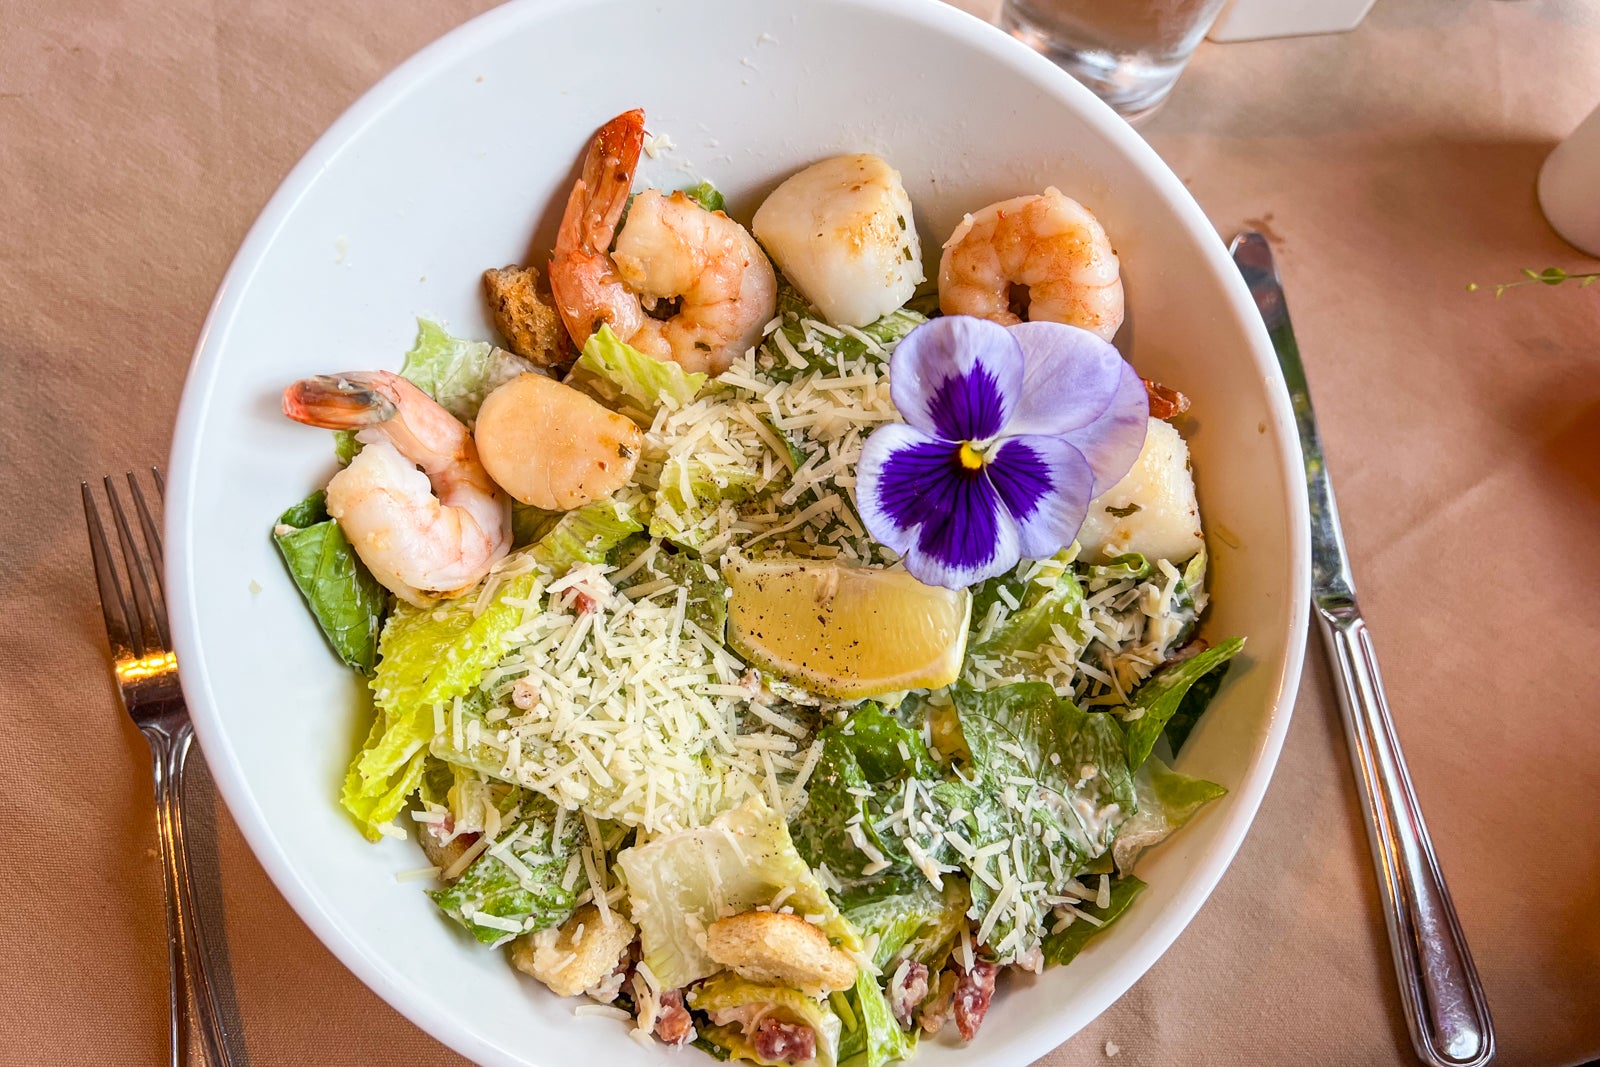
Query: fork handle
[[1444, 1003], [173, 872], [188, 965]]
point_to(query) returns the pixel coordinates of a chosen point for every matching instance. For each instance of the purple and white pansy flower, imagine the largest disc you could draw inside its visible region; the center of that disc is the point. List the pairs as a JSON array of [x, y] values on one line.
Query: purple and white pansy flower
[[1009, 433]]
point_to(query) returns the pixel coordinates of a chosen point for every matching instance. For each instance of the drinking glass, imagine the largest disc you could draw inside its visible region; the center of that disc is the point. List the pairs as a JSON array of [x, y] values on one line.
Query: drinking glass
[[1129, 52]]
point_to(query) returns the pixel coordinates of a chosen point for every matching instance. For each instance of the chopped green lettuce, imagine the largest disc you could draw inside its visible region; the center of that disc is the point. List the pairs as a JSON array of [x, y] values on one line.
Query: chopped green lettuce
[[427, 657], [529, 890], [345, 446], [706, 603], [1131, 565], [1189, 594], [346, 599], [690, 495], [1167, 800], [630, 381], [1193, 705], [1158, 699], [588, 534], [529, 523], [1081, 793], [1062, 946], [1051, 601], [690, 878], [458, 373], [737, 1007], [455, 372], [1077, 758], [870, 1037], [867, 764], [707, 196], [795, 311]]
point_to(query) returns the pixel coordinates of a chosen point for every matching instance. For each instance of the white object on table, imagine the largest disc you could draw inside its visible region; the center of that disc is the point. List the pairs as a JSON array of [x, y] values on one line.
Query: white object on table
[[1251, 20], [1569, 186]]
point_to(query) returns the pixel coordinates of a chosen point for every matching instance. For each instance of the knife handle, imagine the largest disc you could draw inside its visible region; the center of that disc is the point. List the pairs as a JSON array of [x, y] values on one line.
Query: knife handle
[[1439, 988]]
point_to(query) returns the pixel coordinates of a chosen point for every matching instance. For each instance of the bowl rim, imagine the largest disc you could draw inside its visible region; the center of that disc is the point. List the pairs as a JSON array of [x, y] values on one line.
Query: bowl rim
[[201, 380]]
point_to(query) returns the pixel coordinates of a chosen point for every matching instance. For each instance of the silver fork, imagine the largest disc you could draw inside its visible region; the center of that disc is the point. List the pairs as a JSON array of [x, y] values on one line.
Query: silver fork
[[146, 671]]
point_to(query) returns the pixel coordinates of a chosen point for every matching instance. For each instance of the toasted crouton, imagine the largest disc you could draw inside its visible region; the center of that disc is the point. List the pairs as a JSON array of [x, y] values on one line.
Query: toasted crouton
[[780, 949], [576, 956], [443, 854], [525, 316]]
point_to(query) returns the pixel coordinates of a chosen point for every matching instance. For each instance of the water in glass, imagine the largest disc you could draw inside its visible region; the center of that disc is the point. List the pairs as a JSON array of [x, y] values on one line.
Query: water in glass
[[1130, 52]]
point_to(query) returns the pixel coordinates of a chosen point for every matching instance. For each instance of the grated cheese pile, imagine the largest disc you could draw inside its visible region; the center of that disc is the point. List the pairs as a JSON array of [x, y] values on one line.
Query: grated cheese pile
[[821, 418], [633, 711]]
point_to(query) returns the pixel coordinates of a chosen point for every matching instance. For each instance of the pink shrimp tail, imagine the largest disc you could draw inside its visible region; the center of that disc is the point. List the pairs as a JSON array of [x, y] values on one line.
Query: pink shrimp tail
[[342, 401], [586, 290]]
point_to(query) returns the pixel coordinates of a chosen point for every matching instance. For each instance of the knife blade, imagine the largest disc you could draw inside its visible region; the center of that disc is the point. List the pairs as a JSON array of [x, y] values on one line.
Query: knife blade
[[1330, 563], [1440, 993]]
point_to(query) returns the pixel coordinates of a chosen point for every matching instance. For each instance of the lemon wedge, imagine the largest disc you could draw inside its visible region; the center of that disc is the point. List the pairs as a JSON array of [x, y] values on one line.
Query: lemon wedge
[[842, 630]]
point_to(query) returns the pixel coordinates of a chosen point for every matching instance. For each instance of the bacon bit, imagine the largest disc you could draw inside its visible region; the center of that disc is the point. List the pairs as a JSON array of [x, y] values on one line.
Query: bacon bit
[[583, 603], [674, 1024], [1165, 402], [907, 988], [781, 1042], [1189, 651], [973, 993]]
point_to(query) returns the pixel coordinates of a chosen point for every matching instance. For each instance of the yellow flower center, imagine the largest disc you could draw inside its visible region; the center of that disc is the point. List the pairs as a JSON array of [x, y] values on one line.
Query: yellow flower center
[[971, 458]]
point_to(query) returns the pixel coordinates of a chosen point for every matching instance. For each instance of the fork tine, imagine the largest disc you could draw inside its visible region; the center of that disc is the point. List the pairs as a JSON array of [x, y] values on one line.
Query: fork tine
[[120, 631], [152, 536], [151, 616], [161, 483]]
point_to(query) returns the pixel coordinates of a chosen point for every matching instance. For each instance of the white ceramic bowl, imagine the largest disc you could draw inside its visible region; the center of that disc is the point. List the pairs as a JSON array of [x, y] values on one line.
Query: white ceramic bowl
[[459, 161]]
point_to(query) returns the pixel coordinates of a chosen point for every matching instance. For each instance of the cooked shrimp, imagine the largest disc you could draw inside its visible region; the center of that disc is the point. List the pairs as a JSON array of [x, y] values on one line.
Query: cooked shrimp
[[1041, 258], [424, 534], [670, 249]]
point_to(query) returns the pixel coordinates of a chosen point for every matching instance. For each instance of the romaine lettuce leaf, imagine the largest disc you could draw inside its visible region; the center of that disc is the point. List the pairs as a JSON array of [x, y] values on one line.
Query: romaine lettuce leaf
[[630, 381], [1077, 758], [1159, 697], [913, 920], [346, 599], [737, 1007], [707, 196], [866, 765], [458, 373], [681, 882], [1081, 793], [1050, 600], [1193, 705], [1167, 800], [588, 534], [1131, 565], [870, 1037], [345, 446], [1061, 947], [427, 657], [530, 892], [529, 523], [689, 495], [794, 310], [707, 602], [455, 372]]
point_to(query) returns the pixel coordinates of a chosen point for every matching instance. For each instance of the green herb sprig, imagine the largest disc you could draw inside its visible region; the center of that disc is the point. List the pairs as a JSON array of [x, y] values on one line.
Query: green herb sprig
[[1548, 276]]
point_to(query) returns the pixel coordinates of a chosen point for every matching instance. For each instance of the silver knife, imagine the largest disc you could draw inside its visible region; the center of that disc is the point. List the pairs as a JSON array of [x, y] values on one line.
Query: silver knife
[[1439, 988]]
